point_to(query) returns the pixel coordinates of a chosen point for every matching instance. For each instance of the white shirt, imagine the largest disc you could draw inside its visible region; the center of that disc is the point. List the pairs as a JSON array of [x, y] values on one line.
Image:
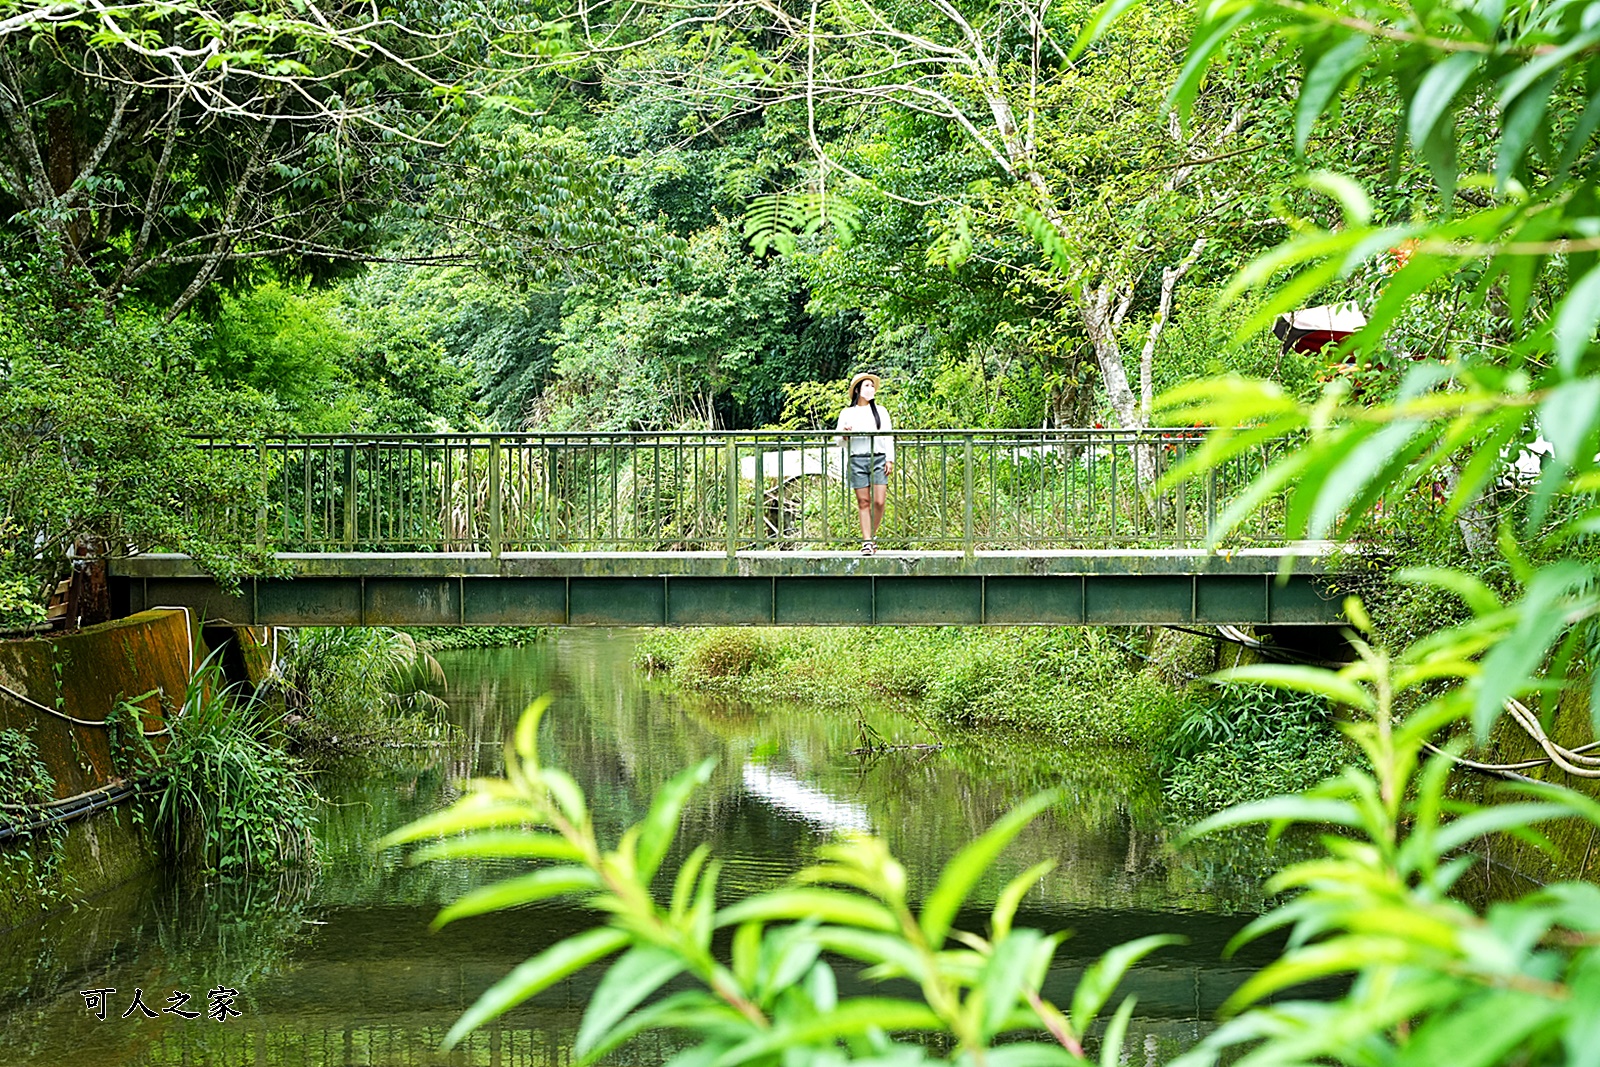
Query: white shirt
[[857, 420]]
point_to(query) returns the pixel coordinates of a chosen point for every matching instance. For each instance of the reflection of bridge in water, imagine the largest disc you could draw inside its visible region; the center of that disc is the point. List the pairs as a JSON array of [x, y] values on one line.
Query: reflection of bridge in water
[[983, 527]]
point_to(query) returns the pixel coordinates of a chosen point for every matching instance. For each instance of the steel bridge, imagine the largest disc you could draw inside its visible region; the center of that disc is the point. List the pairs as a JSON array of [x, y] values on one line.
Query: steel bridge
[[1063, 526]]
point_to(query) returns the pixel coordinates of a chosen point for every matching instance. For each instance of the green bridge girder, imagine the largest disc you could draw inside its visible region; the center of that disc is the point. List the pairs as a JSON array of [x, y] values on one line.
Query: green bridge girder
[[1109, 587]]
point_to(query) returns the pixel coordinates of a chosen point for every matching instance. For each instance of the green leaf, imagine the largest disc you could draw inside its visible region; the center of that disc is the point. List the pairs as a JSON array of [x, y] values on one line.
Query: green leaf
[[1300, 289], [1274, 479], [1347, 193], [972, 862], [1482, 1031], [1491, 820], [1322, 82], [1434, 95], [1102, 976], [1003, 976], [518, 844], [1594, 705], [858, 1015], [825, 905], [535, 975], [788, 954], [690, 1009], [1540, 621], [1487, 457], [1028, 1054], [527, 733], [1518, 126], [1105, 15], [660, 825], [1583, 129], [1116, 1034], [1575, 319], [1010, 898], [1303, 679], [567, 793], [1284, 809], [1375, 461], [1209, 37], [1473, 591], [1568, 417], [459, 817], [1538, 68], [1343, 955], [1421, 272], [636, 975], [683, 884], [1581, 1034], [892, 954], [822, 987], [508, 893]]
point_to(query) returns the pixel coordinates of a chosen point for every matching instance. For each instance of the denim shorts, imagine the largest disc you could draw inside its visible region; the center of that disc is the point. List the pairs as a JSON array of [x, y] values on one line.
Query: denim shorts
[[867, 469]]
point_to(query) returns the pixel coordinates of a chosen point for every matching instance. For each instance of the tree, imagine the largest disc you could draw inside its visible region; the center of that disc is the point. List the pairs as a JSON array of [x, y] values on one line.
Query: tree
[[96, 457], [999, 79], [155, 146]]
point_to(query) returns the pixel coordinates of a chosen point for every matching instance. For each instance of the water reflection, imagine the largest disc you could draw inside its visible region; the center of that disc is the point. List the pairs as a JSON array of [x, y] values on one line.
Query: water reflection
[[344, 970], [786, 793]]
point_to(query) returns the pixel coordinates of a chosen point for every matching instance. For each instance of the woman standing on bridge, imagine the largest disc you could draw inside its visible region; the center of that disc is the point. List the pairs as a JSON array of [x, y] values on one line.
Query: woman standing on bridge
[[871, 452]]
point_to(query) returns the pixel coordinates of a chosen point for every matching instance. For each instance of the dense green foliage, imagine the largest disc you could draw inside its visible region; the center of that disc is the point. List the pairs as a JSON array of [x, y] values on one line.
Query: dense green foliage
[[708, 216], [353, 687], [1237, 743], [231, 800], [1076, 685]]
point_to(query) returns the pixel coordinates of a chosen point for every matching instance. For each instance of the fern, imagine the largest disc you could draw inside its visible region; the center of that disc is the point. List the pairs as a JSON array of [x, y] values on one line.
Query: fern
[[778, 220]]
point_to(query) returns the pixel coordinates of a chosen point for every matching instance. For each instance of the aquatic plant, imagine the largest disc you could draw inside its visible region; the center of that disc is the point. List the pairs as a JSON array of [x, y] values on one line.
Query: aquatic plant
[[230, 798], [771, 995]]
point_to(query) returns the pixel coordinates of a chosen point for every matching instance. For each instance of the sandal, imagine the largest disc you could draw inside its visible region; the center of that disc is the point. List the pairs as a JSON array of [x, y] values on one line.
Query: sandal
[[869, 548]]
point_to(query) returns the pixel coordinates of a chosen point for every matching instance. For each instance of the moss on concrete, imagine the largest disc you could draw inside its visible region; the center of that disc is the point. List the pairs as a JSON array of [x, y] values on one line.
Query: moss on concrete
[[1577, 843], [81, 678]]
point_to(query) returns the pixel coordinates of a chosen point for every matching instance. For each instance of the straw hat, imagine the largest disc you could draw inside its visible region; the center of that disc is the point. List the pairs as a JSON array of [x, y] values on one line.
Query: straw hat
[[864, 376]]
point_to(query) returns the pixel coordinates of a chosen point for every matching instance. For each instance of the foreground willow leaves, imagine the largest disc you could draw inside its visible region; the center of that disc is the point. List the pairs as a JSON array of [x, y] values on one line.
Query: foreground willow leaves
[[774, 995], [1432, 980]]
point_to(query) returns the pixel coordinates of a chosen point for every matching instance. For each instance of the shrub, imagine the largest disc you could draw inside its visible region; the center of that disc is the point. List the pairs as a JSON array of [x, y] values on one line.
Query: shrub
[[355, 686], [727, 653], [1247, 743]]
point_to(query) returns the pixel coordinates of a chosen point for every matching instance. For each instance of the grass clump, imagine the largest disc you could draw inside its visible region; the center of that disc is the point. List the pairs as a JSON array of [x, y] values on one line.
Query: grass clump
[[231, 799], [1074, 685], [1240, 743]]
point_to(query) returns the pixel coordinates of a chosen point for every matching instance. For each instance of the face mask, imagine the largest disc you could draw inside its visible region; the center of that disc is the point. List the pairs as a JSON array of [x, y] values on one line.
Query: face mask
[[867, 391]]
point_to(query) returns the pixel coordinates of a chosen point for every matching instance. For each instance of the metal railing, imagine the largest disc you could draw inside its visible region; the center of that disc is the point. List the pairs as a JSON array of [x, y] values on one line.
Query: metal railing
[[721, 491]]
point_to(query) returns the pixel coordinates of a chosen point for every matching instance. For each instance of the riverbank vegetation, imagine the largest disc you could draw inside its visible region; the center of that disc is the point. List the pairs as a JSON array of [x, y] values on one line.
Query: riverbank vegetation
[[230, 799], [1137, 688], [346, 688], [447, 638]]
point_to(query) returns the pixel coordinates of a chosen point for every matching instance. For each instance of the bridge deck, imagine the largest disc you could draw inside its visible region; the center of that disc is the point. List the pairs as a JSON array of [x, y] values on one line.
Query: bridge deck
[[790, 588]]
